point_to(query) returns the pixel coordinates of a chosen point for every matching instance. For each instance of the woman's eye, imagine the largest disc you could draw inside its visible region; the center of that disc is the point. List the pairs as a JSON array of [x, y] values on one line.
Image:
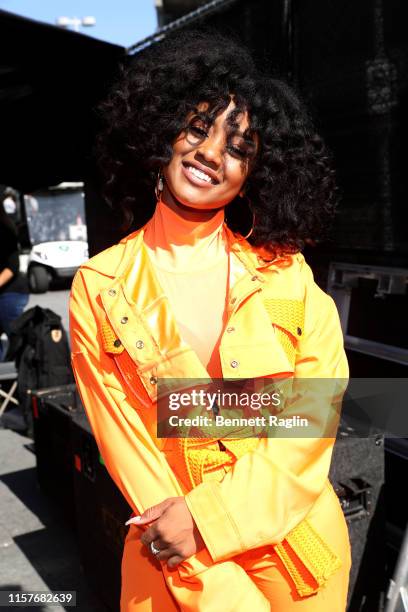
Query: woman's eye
[[198, 131], [238, 151]]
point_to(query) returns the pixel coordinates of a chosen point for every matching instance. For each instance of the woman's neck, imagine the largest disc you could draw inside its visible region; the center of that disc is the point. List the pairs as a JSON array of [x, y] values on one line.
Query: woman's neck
[[183, 242]]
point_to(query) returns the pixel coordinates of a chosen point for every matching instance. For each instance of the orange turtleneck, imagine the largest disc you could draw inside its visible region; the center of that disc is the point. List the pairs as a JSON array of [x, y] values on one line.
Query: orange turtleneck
[[191, 261]]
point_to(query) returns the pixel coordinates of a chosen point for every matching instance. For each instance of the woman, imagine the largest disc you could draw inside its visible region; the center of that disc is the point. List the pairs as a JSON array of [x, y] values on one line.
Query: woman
[[196, 140], [13, 286]]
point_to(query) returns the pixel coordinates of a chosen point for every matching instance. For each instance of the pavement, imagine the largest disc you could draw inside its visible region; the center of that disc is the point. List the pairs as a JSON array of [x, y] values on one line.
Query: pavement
[[38, 548]]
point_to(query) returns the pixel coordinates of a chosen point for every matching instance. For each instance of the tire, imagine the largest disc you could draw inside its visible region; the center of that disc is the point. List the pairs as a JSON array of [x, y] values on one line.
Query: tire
[[38, 279]]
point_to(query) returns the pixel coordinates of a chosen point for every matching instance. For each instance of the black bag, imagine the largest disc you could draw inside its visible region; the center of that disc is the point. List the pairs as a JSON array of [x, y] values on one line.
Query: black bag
[[39, 346]]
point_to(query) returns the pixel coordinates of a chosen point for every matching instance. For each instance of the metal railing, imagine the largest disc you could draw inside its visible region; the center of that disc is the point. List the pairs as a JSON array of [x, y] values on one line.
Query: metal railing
[[397, 595], [203, 11]]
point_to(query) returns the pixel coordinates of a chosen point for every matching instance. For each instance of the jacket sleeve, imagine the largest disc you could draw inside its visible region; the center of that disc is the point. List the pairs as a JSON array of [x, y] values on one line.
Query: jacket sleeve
[[271, 489], [132, 459]]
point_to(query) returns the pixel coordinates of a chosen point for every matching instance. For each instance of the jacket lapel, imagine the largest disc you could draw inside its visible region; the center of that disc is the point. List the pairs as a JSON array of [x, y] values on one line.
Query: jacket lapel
[[143, 325]]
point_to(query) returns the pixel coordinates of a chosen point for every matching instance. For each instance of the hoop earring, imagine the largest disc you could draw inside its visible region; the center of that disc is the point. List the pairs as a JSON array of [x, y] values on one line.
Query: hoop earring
[[253, 219], [159, 185]]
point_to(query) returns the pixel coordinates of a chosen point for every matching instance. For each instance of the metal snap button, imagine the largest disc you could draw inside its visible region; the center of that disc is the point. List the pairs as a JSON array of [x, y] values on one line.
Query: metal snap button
[[117, 342], [230, 329], [124, 320], [112, 291], [233, 300], [153, 380], [234, 363], [139, 344], [254, 278], [299, 331]]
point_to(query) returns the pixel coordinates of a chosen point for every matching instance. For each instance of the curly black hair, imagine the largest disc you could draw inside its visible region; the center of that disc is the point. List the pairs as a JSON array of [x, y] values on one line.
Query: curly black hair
[[291, 186]]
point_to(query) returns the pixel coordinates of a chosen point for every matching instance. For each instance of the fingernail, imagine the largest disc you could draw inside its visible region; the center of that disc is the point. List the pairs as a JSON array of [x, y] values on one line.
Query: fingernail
[[134, 519]]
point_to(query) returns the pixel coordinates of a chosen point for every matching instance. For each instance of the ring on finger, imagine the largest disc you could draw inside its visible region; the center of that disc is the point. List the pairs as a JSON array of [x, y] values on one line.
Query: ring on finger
[[154, 549]]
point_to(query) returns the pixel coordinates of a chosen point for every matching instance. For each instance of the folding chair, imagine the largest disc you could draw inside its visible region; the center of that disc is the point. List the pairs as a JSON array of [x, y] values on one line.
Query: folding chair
[[8, 372]]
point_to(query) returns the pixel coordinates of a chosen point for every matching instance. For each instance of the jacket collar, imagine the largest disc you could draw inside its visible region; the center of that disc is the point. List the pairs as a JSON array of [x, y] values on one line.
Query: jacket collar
[[140, 316], [131, 244], [135, 278]]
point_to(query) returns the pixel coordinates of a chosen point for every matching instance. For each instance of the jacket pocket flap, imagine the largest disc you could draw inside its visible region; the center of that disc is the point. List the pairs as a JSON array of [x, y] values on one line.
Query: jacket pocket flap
[[286, 314]]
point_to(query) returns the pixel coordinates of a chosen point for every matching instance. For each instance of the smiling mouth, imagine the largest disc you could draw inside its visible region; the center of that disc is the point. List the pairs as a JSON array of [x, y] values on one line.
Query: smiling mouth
[[200, 174]]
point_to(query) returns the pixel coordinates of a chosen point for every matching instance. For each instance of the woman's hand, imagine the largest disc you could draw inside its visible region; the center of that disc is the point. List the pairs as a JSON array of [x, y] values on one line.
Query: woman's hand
[[173, 530]]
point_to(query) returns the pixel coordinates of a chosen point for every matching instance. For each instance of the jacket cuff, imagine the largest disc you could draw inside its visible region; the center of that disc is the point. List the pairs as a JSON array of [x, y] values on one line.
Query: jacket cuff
[[217, 528]]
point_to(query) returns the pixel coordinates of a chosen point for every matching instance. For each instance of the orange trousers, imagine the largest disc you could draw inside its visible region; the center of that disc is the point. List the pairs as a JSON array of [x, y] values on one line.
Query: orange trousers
[[254, 581]]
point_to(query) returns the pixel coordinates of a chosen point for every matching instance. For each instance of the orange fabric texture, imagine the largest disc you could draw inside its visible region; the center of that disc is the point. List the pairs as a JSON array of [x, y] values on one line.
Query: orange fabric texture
[[260, 512], [191, 259]]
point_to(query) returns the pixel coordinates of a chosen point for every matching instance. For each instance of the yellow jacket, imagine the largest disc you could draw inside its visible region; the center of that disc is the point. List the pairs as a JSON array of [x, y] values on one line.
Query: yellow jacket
[[124, 338]]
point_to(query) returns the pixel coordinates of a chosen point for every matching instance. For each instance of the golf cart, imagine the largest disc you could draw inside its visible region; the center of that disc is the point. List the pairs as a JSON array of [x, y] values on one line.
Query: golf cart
[[57, 233]]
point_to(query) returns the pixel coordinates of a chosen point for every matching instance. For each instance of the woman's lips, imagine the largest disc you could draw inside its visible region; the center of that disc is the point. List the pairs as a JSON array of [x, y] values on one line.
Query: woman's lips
[[194, 179]]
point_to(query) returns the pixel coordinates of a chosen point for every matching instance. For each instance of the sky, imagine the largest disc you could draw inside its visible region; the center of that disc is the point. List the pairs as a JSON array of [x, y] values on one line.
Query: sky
[[123, 22]]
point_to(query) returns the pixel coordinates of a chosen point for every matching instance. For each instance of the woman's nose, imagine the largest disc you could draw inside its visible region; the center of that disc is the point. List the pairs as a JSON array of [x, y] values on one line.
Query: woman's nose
[[211, 151]]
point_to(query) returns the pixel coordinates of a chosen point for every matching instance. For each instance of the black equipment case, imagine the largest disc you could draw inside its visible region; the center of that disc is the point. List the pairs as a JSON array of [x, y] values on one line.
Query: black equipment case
[[52, 409], [357, 475], [101, 515]]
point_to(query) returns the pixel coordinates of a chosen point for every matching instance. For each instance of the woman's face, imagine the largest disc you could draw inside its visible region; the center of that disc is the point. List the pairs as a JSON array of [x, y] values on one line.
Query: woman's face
[[210, 163]]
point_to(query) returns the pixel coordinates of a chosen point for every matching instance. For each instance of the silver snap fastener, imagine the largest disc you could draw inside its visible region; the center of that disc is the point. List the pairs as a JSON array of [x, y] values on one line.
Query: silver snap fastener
[[230, 329], [234, 364], [117, 342], [234, 299], [124, 320], [153, 380], [112, 291], [139, 344]]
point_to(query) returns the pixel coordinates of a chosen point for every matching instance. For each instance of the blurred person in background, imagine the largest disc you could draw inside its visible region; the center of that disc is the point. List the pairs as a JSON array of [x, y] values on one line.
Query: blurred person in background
[[14, 292]]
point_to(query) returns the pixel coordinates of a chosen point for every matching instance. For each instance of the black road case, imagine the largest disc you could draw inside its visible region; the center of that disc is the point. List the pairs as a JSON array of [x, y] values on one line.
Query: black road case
[[357, 476], [53, 409], [101, 515]]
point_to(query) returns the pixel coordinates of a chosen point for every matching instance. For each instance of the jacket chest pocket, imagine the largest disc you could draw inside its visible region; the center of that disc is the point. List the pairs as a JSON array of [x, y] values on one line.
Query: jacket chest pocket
[[287, 317]]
